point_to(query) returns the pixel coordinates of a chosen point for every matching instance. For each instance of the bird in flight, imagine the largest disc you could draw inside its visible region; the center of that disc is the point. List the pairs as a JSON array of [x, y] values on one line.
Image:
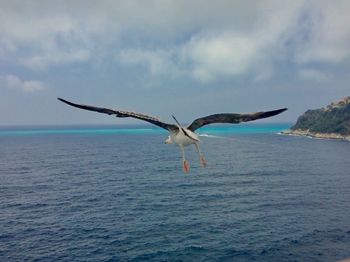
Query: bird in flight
[[183, 136]]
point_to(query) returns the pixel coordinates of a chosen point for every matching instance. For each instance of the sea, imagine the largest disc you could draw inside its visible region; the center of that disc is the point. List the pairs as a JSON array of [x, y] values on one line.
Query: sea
[[118, 193]]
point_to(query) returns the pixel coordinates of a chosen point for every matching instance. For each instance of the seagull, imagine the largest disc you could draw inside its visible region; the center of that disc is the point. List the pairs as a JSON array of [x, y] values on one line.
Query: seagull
[[183, 136]]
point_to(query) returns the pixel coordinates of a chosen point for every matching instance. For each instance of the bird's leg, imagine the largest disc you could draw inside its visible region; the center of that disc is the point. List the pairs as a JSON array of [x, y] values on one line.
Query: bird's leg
[[186, 165], [201, 156]]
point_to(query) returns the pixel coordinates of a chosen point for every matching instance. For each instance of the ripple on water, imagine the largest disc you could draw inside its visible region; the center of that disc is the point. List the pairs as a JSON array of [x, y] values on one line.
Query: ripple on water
[[88, 198]]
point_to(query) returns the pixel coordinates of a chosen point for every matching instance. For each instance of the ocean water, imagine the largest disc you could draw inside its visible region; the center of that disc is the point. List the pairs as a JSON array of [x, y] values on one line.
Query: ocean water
[[110, 194]]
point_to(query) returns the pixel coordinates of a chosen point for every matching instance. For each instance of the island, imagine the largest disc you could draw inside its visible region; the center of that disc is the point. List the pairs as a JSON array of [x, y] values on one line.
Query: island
[[331, 122]]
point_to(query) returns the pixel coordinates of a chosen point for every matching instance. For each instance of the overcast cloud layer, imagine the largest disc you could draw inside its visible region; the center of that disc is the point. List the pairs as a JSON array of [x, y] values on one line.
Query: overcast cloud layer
[[187, 58]]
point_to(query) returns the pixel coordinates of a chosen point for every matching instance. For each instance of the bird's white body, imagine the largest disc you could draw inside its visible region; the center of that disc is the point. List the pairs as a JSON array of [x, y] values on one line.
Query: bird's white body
[[186, 138]]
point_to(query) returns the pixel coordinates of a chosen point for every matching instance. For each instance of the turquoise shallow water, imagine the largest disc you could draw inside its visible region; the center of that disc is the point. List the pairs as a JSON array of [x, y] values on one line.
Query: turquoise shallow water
[[100, 194], [139, 129]]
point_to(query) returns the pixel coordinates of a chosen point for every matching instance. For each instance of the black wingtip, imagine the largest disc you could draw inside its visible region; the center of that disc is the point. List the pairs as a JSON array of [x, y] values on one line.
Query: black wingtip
[[62, 100], [277, 111], [282, 110], [272, 113], [67, 102]]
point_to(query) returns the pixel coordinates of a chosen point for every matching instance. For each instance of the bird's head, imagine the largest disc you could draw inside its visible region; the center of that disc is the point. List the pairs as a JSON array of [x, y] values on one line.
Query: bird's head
[[168, 140]]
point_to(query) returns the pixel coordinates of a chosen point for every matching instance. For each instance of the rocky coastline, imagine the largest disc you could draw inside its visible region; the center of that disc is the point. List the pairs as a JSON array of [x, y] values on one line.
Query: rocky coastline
[[329, 122], [308, 133]]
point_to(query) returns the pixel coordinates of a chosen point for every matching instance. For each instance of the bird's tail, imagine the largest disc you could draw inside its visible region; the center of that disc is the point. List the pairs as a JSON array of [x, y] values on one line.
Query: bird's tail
[[176, 120]]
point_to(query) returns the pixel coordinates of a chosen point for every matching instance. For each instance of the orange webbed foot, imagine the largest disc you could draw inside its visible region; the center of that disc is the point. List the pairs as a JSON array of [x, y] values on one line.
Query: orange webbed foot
[[186, 166], [203, 162]]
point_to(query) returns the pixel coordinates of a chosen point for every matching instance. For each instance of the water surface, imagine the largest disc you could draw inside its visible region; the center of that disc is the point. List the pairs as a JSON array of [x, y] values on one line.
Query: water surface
[[101, 194]]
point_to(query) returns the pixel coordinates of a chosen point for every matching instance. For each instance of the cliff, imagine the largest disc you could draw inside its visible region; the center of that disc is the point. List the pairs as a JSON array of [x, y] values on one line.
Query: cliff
[[332, 121]]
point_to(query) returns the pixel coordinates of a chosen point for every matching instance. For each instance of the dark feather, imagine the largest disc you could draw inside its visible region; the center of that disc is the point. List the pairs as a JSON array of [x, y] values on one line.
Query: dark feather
[[232, 118], [120, 113]]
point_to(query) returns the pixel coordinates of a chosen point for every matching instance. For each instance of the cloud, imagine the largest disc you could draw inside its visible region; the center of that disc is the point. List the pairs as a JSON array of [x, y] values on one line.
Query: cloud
[[157, 61], [39, 35], [321, 33], [203, 58], [209, 55], [224, 39], [313, 75], [55, 57], [14, 82], [221, 55], [206, 58]]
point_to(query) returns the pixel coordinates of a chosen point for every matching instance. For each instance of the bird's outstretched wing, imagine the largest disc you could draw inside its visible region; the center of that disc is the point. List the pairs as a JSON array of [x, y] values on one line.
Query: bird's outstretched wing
[[231, 118], [120, 113]]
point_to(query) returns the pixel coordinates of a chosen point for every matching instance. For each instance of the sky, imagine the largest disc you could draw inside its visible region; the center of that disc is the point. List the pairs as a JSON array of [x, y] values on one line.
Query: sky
[[162, 57]]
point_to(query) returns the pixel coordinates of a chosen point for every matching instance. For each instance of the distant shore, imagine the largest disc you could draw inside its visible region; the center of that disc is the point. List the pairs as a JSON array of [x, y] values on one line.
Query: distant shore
[[302, 132]]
